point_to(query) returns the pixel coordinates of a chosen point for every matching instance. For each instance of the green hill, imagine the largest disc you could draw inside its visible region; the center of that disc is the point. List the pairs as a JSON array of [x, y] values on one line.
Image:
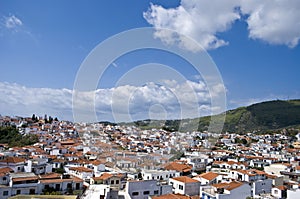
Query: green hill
[[263, 116]]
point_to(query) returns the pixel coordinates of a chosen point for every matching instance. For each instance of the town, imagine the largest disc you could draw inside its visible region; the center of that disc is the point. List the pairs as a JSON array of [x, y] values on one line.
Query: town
[[102, 160]]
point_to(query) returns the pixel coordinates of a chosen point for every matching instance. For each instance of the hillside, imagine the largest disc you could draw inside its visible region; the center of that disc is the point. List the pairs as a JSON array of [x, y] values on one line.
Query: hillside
[[261, 116]]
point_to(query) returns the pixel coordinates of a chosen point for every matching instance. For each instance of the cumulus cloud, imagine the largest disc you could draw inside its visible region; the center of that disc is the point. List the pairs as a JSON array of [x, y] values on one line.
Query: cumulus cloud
[[12, 22], [123, 103], [200, 20], [276, 22]]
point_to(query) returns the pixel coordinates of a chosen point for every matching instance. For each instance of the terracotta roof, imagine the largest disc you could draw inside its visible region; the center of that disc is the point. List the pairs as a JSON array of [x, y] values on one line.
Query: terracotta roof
[[282, 188], [81, 169], [50, 176], [209, 175], [178, 167], [50, 181], [185, 179], [24, 178], [252, 172], [13, 160], [104, 176], [6, 170], [229, 186]]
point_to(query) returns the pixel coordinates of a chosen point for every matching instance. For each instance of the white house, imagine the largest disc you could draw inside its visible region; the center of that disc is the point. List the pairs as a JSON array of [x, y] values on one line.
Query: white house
[[230, 165], [81, 172], [62, 184], [144, 188], [23, 183], [232, 190], [248, 175], [112, 179], [38, 166], [5, 190], [208, 178], [159, 174], [279, 192], [15, 163], [185, 185]]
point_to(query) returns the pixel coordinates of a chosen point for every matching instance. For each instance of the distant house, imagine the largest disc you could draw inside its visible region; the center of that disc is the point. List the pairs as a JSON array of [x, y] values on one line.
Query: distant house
[[185, 185], [250, 175], [230, 165], [15, 163], [23, 183], [62, 184], [145, 188], [232, 190], [82, 172], [279, 192], [159, 174], [114, 180], [208, 178], [38, 166], [183, 168]]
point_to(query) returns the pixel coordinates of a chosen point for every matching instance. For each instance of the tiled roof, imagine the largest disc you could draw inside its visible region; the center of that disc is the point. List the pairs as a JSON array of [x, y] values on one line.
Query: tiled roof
[[185, 179], [24, 179], [104, 176], [252, 172], [229, 186], [178, 167], [6, 170], [209, 175], [81, 169], [50, 176], [13, 160]]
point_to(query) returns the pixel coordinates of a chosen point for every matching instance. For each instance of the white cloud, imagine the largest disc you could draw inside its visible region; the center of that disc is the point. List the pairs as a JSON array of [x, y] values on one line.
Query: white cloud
[[276, 22], [12, 22], [199, 19], [173, 100]]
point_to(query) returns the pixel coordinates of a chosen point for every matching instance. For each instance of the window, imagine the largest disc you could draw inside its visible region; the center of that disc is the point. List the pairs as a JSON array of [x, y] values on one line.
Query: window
[[19, 168], [4, 178], [180, 187], [146, 192], [57, 187], [77, 185], [117, 181], [112, 182], [135, 193], [155, 192], [18, 192], [5, 193]]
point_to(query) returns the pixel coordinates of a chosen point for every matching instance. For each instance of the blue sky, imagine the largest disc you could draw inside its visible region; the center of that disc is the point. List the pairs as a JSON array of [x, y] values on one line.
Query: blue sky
[[43, 43]]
